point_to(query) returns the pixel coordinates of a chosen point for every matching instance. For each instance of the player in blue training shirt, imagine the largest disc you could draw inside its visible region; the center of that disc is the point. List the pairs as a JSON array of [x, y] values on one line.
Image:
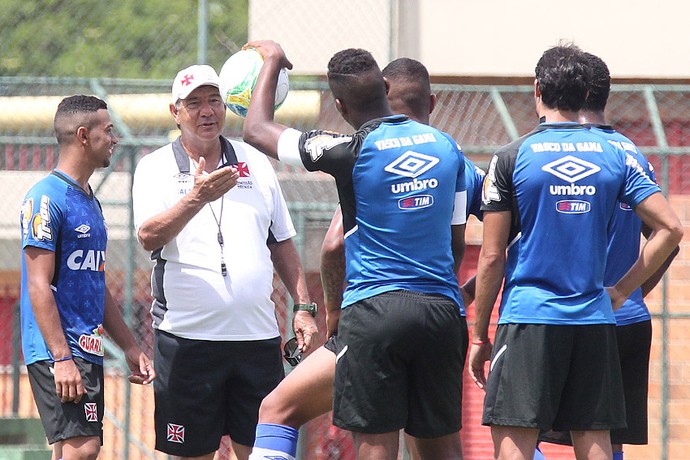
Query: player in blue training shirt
[[65, 304], [403, 199], [307, 392], [547, 201], [634, 324]]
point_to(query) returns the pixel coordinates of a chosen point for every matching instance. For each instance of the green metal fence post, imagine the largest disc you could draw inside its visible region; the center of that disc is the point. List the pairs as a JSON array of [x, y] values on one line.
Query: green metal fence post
[[662, 142], [504, 113], [202, 32]]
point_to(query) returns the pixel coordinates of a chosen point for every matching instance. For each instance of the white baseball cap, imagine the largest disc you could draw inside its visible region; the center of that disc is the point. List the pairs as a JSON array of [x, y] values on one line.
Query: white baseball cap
[[189, 79]]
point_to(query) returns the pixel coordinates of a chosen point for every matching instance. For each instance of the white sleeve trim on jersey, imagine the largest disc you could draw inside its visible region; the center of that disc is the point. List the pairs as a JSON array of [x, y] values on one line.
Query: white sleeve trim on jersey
[[514, 240], [288, 147], [460, 210], [351, 231]]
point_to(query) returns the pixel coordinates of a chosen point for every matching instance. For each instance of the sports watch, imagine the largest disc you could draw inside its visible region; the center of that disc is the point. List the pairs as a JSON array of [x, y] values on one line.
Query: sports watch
[[310, 307]]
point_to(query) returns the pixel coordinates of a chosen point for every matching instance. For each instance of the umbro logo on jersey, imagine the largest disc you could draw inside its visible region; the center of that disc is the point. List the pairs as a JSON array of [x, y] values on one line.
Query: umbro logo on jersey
[[571, 169], [83, 231], [411, 164]]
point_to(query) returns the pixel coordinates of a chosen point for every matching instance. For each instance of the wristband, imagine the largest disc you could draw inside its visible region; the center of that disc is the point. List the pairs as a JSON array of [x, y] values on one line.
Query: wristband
[[480, 342], [309, 307], [66, 358]]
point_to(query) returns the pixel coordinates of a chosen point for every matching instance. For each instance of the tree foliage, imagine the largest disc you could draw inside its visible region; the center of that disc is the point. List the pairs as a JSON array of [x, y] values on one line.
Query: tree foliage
[[148, 39]]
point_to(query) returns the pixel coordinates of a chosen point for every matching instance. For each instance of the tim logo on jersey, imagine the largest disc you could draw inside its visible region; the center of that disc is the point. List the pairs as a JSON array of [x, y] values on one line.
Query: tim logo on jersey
[[573, 206], [416, 202]]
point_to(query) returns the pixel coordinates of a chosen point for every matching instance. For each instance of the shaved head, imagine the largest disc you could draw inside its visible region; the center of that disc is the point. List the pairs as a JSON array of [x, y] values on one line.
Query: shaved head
[[409, 88], [74, 112]]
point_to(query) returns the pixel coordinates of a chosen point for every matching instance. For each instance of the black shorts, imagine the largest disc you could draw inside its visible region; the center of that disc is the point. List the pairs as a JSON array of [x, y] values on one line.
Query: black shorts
[[331, 344], [206, 389], [399, 365], [634, 343], [550, 377], [68, 420]]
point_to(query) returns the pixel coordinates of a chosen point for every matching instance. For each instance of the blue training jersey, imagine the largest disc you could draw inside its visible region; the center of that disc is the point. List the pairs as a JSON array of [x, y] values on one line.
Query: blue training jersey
[[58, 215], [397, 180], [561, 183], [624, 236]]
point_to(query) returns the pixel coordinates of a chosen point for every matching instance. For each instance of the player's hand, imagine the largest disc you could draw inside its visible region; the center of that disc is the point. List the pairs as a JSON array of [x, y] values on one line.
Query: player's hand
[[617, 298], [479, 355], [332, 318], [208, 187], [306, 331], [68, 382], [140, 365], [270, 51]]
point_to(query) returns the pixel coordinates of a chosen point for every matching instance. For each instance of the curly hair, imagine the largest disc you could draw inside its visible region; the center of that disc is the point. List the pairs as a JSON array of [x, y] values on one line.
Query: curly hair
[[563, 76], [352, 62], [600, 84], [355, 77]]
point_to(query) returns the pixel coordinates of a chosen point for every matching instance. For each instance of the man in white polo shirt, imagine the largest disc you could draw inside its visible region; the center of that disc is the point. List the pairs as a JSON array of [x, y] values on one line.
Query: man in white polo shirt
[[212, 213]]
